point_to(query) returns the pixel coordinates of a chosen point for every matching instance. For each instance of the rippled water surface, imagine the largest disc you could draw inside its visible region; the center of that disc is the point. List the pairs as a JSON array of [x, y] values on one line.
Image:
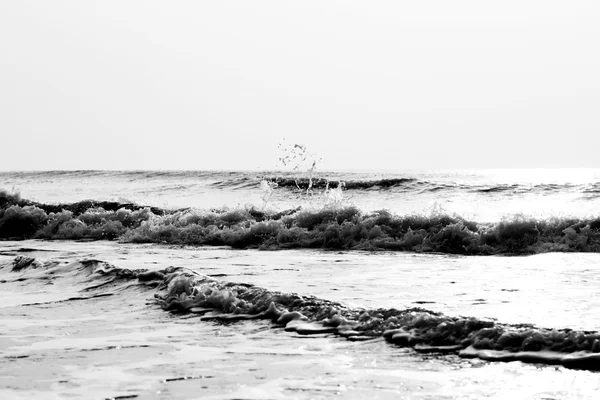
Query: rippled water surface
[[122, 344], [482, 195]]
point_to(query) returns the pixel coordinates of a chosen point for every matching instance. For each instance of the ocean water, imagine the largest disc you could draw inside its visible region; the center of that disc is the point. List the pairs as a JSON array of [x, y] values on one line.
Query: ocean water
[[248, 285], [483, 195]]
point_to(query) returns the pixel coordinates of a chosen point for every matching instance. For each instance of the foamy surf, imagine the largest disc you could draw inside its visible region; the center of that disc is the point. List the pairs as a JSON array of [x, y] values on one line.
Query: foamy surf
[[186, 291], [479, 195], [248, 324], [331, 226], [367, 289]]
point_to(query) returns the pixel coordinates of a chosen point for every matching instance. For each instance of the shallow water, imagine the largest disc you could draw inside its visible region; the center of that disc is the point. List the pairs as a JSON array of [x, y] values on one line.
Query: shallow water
[[123, 344]]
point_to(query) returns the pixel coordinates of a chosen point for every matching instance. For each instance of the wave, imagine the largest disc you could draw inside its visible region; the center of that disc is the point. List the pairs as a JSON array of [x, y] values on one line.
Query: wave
[[592, 189], [331, 227], [126, 175], [417, 183], [87, 278], [180, 290], [323, 183], [77, 208], [404, 184]]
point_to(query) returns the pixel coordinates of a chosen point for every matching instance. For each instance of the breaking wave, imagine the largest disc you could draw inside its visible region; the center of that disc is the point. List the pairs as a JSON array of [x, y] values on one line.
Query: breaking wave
[[323, 183], [330, 227], [417, 183], [181, 290], [407, 184]]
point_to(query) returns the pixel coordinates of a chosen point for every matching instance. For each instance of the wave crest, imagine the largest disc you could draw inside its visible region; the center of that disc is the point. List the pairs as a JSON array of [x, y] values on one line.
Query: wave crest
[[323, 183], [330, 227], [181, 290]]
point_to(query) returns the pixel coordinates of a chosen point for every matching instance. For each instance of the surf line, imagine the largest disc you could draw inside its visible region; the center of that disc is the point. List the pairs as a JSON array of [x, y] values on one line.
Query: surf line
[[422, 330]]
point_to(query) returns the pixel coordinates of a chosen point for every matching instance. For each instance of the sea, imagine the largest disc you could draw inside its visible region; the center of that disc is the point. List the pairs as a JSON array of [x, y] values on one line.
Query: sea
[[461, 284]]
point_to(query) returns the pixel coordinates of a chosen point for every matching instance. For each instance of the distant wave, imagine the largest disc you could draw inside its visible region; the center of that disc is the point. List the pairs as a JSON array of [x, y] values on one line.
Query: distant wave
[[592, 189], [181, 290], [322, 183], [404, 184], [316, 183], [346, 228], [178, 181], [136, 175], [239, 183], [521, 188]]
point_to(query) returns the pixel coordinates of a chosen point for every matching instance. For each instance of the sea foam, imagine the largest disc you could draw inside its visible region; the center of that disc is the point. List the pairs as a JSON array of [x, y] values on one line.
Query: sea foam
[[180, 290], [333, 225]]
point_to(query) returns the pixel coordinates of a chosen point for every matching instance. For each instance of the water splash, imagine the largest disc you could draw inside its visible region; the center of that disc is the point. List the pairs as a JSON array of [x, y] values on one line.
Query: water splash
[[267, 188], [298, 158]]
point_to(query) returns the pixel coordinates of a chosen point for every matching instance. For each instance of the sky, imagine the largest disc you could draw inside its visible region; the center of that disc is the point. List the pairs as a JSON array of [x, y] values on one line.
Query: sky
[[380, 85]]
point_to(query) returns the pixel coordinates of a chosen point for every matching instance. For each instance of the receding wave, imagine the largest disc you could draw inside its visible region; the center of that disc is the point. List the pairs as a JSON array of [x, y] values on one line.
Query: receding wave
[[345, 228], [88, 278], [181, 290]]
